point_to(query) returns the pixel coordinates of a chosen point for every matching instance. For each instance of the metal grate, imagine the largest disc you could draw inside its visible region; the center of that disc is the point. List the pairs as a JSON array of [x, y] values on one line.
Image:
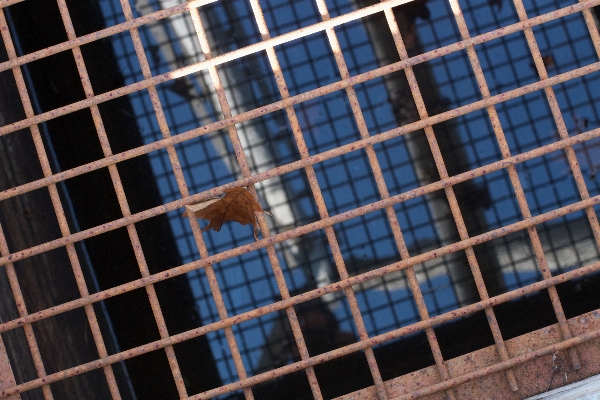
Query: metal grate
[[425, 165]]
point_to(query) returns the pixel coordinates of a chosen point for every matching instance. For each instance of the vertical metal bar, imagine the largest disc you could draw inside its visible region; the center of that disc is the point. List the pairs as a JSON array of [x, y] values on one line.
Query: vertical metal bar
[[495, 121], [64, 227], [350, 92], [560, 123], [7, 378], [220, 304], [384, 193], [122, 199], [278, 272], [537, 245], [313, 182], [22, 308], [592, 25], [243, 164], [592, 28], [180, 178], [414, 284], [355, 310], [457, 160]]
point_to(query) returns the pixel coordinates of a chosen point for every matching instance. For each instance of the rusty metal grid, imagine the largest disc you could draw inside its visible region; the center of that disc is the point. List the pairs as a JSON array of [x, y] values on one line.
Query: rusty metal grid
[[509, 163]]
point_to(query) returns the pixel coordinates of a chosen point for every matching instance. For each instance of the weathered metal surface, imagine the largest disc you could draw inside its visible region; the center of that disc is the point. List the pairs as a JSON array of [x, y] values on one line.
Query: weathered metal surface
[[344, 83], [159, 344], [7, 379], [534, 376], [510, 369], [136, 284], [359, 144]]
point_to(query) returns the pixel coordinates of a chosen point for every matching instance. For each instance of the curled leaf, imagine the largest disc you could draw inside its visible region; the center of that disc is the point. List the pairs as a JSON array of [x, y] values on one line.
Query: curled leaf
[[238, 205]]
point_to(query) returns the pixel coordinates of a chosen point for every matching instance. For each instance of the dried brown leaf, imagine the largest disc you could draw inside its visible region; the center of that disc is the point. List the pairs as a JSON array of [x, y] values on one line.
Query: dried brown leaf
[[238, 205]]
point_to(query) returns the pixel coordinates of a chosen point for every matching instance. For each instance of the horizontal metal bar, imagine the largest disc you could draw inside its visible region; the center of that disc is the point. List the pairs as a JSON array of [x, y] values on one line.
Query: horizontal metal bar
[[461, 245], [291, 36], [542, 368], [101, 34], [416, 327], [359, 144], [330, 154], [451, 383], [501, 366], [158, 15], [199, 66]]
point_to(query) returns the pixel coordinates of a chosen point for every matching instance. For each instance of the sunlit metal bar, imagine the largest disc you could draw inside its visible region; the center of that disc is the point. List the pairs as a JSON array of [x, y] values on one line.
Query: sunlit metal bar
[[318, 158], [321, 26], [206, 261], [160, 144]]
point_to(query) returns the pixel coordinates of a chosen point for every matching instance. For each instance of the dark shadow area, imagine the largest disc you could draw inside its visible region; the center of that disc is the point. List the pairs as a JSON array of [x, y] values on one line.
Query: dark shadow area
[[74, 139]]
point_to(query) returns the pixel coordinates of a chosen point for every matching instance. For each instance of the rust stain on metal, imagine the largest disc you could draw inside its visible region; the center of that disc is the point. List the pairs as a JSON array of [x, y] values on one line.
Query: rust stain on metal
[[327, 221], [516, 368], [534, 376], [582, 271], [7, 378], [97, 99], [359, 144]]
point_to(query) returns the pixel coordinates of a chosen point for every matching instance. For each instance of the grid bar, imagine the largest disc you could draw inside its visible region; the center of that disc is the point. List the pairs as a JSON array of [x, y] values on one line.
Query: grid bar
[[7, 377], [122, 199], [64, 228], [564, 345], [312, 179], [362, 143], [225, 322], [537, 245], [515, 227], [160, 144], [316, 190], [313, 294], [432, 120], [131, 230], [27, 328], [318, 27], [135, 87], [101, 34], [233, 135], [451, 383], [592, 29], [190, 5], [6, 3], [410, 272], [391, 214], [412, 82], [496, 125]]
